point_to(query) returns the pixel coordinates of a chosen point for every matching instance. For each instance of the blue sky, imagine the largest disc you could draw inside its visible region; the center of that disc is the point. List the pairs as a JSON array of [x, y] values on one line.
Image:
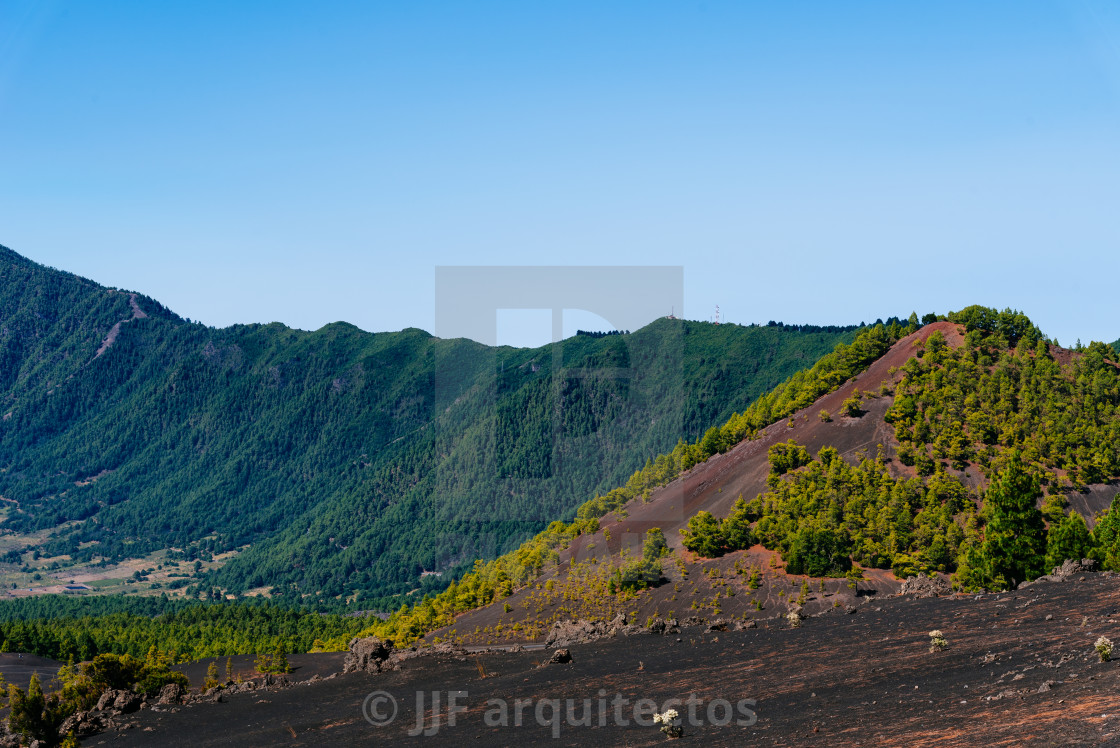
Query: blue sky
[[814, 162]]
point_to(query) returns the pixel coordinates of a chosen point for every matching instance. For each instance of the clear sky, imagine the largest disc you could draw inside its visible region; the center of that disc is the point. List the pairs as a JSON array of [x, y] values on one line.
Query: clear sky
[[806, 162]]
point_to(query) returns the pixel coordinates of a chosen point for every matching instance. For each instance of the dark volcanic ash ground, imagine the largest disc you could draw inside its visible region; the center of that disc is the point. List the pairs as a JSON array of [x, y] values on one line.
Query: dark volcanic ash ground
[[1020, 669]]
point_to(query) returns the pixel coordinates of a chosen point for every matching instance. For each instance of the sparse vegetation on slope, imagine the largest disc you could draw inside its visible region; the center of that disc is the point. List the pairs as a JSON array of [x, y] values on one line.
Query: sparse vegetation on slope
[[1001, 401]]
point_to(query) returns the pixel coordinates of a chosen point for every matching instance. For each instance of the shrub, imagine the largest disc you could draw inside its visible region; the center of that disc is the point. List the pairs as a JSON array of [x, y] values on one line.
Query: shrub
[[937, 641], [668, 722], [640, 573], [853, 406], [34, 715], [1104, 648], [120, 672], [703, 535], [263, 663], [788, 456]]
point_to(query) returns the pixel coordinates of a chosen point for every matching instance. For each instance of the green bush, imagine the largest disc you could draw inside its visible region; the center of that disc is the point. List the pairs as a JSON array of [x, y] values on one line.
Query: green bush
[[703, 536], [853, 406], [786, 457]]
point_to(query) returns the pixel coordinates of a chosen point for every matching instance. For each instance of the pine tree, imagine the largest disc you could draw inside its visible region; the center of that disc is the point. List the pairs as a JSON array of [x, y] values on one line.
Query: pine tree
[[211, 676], [703, 535], [736, 527], [31, 715], [1106, 537], [1015, 537], [654, 546], [280, 660], [1068, 539], [263, 663]]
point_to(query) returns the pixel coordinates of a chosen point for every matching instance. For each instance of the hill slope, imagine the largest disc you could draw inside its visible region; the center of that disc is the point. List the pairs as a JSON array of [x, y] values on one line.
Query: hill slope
[[906, 449], [332, 461]]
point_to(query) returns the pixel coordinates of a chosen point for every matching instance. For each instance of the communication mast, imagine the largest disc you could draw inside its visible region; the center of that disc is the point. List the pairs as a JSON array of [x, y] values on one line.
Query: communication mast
[[717, 314]]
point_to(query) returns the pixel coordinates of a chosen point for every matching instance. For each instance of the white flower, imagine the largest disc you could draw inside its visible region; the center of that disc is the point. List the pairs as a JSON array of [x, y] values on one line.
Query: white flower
[[936, 634]]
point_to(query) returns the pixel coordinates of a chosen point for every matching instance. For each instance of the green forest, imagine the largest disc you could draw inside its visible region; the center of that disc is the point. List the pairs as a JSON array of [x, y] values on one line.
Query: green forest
[[64, 627], [496, 579], [339, 465]]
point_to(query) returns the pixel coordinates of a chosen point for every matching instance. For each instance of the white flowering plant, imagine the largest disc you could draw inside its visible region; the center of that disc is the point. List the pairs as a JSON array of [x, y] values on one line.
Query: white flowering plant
[[937, 641], [668, 722], [1104, 648]]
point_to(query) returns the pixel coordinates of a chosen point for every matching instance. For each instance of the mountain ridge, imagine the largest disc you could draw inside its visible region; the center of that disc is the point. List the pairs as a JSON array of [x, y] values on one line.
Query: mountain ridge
[[283, 449]]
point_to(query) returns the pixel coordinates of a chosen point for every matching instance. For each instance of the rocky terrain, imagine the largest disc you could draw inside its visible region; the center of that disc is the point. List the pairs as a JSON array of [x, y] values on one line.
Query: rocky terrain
[[1019, 668]]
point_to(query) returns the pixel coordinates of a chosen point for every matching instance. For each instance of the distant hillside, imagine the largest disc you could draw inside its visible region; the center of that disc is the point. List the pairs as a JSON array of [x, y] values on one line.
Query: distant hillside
[[346, 461]]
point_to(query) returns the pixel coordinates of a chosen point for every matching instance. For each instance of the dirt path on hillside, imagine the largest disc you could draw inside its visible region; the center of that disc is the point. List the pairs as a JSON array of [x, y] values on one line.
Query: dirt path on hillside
[[115, 330]]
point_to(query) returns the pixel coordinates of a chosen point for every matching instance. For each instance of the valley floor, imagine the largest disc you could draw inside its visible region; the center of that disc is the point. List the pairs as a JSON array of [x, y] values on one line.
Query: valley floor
[[1020, 669]]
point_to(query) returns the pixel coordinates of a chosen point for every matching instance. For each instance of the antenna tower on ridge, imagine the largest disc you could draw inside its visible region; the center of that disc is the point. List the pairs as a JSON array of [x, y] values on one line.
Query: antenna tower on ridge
[[717, 314]]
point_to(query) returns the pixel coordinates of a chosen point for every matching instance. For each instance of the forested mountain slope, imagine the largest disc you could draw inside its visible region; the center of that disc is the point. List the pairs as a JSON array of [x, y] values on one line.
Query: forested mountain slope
[[337, 460]]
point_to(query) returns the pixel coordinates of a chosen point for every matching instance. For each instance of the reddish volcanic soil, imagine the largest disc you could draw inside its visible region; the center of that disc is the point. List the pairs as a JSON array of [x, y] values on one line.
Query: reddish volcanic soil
[[1020, 670], [715, 484]]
